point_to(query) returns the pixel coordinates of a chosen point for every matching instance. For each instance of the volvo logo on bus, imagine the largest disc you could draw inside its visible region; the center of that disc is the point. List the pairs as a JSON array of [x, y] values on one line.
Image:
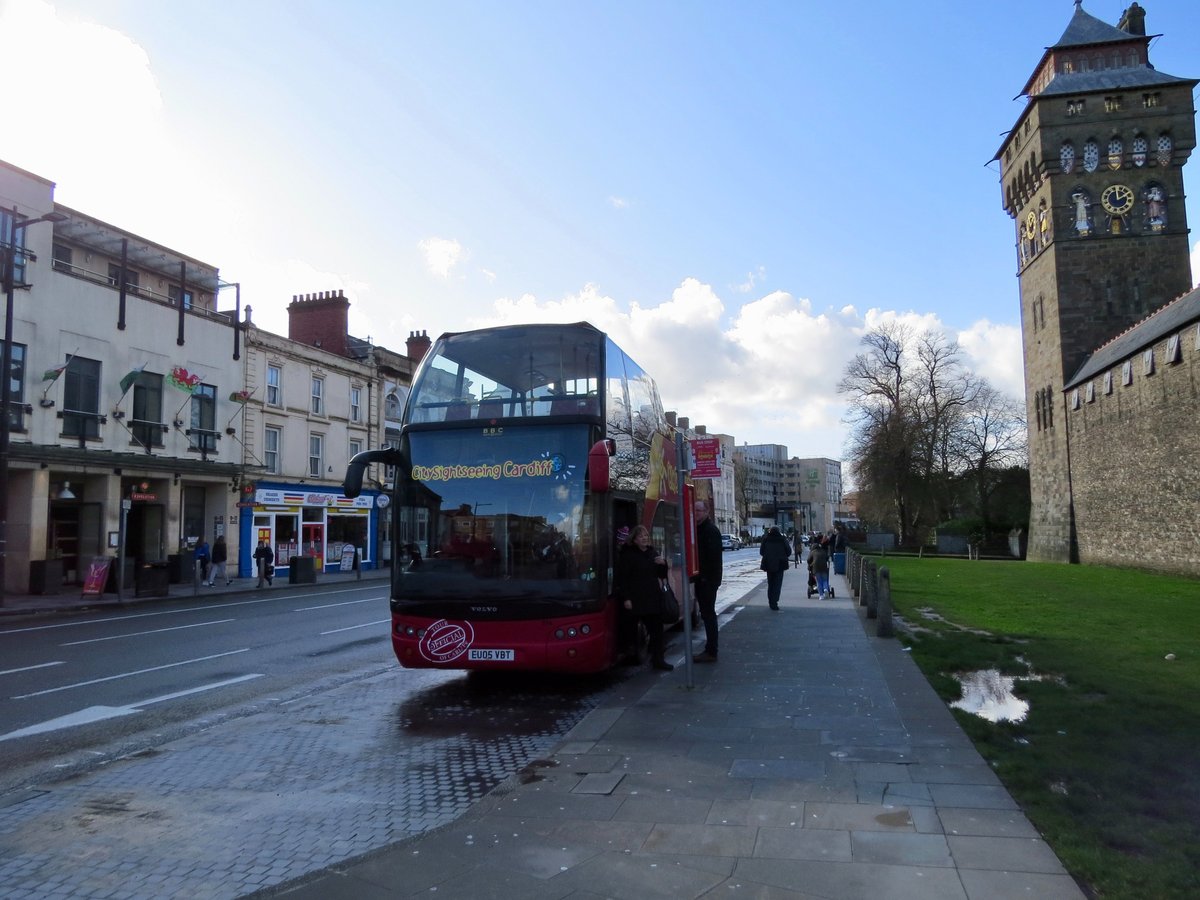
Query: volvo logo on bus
[[446, 641], [485, 609]]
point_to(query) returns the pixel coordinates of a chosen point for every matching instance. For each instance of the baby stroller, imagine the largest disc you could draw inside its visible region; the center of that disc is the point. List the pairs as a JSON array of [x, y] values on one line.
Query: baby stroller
[[812, 585]]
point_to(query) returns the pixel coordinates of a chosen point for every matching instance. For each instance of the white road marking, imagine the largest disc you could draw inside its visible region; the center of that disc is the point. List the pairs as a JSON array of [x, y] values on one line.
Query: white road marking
[[67, 687], [100, 713], [30, 668], [331, 605], [115, 637], [352, 627]]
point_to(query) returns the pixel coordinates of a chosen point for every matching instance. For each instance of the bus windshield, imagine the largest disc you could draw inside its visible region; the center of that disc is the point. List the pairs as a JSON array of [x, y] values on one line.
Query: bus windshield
[[500, 517]]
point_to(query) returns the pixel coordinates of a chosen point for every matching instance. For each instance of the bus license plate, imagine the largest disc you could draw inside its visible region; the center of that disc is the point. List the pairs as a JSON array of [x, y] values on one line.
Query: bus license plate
[[491, 655]]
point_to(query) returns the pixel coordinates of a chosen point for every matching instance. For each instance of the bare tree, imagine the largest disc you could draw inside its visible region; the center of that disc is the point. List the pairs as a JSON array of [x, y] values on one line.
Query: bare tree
[[991, 437], [919, 421]]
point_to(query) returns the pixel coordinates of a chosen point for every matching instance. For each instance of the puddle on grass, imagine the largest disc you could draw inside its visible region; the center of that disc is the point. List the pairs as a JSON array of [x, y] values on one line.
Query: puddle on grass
[[989, 695]]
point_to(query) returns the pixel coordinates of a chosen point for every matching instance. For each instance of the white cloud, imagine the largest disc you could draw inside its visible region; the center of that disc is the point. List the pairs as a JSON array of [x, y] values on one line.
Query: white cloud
[[618, 203], [767, 376], [441, 255], [752, 278]]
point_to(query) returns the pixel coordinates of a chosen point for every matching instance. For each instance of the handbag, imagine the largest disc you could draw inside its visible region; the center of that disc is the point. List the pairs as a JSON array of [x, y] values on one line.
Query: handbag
[[670, 606]]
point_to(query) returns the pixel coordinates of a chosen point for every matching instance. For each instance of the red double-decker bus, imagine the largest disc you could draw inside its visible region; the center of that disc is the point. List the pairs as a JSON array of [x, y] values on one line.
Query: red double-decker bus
[[524, 449]]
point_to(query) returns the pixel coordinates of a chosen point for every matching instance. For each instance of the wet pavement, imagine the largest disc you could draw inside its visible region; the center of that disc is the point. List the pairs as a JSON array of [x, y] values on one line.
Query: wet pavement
[[812, 761]]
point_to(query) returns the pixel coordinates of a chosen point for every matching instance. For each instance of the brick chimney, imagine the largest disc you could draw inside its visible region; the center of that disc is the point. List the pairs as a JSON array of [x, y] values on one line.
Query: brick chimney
[[418, 346], [320, 320]]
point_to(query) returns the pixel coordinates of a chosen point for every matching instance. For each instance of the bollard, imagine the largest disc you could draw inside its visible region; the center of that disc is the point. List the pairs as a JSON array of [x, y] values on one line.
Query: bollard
[[196, 578], [358, 564], [872, 590], [883, 624], [855, 566]]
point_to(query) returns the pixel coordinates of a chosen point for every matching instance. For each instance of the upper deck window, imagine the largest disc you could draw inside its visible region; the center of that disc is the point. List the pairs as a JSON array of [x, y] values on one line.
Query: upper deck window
[[510, 373]]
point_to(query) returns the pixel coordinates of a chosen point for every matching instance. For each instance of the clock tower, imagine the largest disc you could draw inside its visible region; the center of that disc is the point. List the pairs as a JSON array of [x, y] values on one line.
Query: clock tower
[[1092, 176]]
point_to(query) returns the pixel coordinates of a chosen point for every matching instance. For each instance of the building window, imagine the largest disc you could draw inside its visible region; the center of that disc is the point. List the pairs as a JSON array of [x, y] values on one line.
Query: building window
[[146, 424], [1148, 362], [1127, 373], [1089, 392], [1108, 379], [81, 398], [62, 258], [355, 404], [1112, 104], [17, 244], [131, 278], [272, 439], [316, 455], [1174, 354], [204, 418], [1139, 148], [173, 296], [1075, 107], [1149, 101], [16, 388], [318, 396], [355, 448], [274, 389], [1116, 151]]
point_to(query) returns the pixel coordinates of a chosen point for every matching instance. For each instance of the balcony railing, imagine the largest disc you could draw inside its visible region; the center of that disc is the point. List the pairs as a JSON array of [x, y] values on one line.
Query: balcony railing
[[137, 290]]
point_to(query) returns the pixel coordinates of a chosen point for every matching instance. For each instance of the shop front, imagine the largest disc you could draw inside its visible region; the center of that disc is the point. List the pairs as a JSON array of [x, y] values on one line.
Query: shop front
[[324, 526]]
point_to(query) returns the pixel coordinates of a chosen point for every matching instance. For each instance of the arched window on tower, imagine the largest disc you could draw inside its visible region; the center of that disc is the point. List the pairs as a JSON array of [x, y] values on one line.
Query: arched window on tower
[[1066, 157], [1116, 152], [1164, 149], [1091, 156], [1139, 149]]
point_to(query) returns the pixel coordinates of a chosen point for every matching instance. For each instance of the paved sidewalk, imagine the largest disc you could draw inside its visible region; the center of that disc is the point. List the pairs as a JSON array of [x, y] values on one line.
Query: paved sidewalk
[[812, 761]]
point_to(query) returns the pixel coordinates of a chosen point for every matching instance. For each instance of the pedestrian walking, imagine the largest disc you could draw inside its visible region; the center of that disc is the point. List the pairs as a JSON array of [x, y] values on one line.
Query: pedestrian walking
[[264, 560], [708, 552], [819, 559], [203, 556], [775, 553], [220, 555], [638, 582]]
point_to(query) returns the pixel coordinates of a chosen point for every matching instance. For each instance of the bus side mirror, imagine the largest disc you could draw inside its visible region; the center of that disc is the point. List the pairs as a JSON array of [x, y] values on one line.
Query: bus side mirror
[[598, 470], [352, 486]]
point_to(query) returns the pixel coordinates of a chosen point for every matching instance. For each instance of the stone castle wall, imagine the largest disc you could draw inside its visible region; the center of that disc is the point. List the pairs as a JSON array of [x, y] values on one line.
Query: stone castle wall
[[1135, 460]]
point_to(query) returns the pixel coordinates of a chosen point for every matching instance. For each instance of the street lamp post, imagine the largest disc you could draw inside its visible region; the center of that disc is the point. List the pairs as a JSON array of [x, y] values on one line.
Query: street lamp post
[[10, 277]]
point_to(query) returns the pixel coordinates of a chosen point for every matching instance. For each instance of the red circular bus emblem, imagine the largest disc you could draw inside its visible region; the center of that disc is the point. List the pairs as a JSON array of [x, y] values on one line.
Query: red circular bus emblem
[[446, 641]]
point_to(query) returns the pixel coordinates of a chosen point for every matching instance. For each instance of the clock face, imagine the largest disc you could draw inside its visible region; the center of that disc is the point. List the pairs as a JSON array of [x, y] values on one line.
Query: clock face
[[1117, 199]]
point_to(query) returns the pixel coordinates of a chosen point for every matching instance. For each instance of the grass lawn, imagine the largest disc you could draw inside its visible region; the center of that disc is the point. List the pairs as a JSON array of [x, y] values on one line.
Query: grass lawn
[[1107, 762]]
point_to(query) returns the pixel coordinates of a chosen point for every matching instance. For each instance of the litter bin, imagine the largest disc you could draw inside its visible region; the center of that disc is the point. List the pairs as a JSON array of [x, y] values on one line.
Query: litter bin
[[175, 569], [839, 564], [153, 580], [302, 570], [45, 576]]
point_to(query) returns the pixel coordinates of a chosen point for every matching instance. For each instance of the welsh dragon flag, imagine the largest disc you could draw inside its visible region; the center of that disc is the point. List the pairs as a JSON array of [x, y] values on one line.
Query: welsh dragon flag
[[183, 380]]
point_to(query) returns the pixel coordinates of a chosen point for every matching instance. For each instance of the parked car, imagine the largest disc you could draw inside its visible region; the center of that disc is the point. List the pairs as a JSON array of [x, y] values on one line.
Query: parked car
[[730, 542]]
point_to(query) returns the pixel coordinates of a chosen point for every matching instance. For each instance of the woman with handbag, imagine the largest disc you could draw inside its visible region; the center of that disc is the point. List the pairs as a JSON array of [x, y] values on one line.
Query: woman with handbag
[[638, 582]]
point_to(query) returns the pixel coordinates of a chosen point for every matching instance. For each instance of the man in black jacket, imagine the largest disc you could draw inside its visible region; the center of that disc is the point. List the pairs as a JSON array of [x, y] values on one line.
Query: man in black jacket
[[708, 552]]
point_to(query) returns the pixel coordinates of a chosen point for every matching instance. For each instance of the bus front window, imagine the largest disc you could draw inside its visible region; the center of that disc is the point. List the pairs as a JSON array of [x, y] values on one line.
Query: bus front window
[[505, 515]]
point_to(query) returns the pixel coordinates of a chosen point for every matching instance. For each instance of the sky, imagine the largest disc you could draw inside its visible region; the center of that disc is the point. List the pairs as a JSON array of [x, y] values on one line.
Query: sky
[[736, 192]]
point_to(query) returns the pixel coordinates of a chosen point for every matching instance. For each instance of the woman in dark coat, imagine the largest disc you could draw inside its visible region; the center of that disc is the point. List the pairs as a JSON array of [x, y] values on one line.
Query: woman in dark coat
[[637, 582], [775, 553]]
